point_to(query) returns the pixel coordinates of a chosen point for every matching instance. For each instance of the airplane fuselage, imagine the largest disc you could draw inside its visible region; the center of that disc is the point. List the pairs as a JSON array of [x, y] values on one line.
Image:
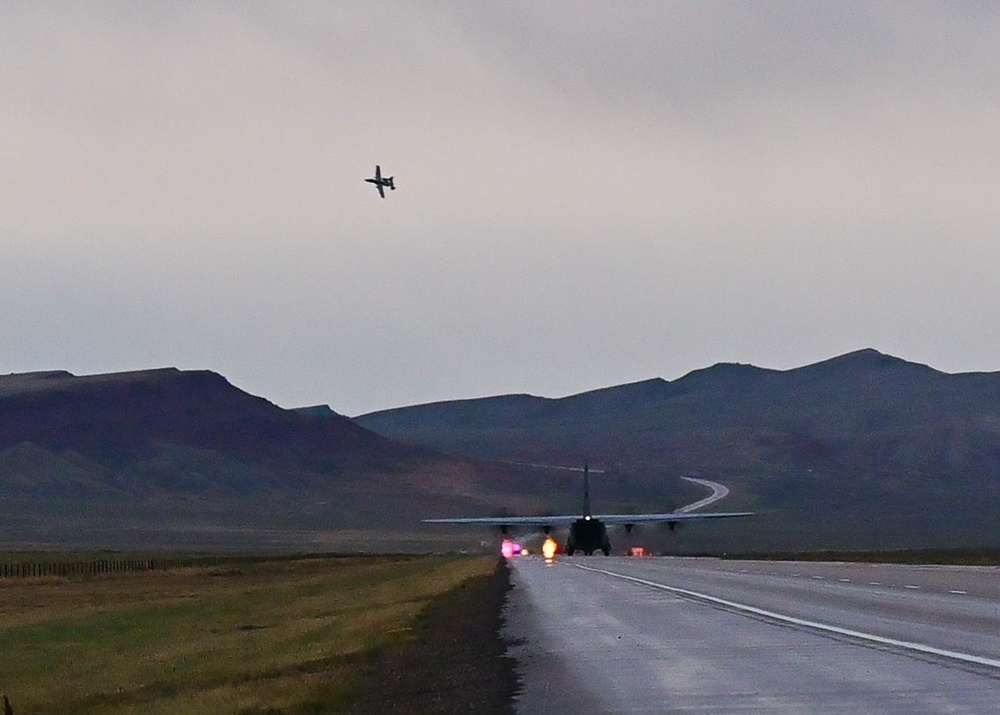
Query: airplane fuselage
[[588, 535]]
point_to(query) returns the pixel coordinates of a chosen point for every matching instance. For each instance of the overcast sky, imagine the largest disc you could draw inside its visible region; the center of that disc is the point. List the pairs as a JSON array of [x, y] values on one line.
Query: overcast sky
[[588, 194]]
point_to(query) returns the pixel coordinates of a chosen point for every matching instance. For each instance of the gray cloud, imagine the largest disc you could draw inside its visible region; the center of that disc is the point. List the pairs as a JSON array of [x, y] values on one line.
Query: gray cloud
[[589, 193]]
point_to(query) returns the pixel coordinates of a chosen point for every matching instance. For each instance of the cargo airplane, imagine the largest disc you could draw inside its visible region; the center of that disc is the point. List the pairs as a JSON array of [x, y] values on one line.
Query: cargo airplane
[[587, 531]]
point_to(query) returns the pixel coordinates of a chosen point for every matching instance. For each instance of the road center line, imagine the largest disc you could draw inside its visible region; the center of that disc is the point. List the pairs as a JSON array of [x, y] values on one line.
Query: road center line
[[906, 645]]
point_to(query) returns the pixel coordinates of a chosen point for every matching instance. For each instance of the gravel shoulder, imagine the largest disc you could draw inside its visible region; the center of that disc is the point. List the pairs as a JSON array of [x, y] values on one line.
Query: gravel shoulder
[[456, 664]]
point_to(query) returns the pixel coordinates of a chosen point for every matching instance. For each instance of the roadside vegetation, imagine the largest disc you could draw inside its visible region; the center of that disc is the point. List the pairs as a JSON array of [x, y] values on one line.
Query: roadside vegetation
[[244, 636]]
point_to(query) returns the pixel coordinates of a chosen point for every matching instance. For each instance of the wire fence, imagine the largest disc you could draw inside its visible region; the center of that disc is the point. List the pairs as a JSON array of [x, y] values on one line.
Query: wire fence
[[85, 567], [30, 569]]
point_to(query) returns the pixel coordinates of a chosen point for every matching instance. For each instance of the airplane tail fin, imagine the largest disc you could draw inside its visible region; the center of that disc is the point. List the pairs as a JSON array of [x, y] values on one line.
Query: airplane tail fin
[[586, 489], [391, 185]]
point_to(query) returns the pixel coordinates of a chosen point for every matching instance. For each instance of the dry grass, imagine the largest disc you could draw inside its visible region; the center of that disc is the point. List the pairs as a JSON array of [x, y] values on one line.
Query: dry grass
[[282, 636]]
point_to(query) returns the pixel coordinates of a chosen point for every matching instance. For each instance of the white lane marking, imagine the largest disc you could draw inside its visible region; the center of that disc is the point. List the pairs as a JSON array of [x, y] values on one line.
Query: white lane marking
[[874, 583], [845, 580], [915, 588], [959, 592], [819, 578], [815, 625]]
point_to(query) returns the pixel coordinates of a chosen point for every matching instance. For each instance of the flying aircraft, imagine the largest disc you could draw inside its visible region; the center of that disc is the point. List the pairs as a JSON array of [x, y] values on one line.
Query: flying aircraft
[[380, 183], [587, 531]]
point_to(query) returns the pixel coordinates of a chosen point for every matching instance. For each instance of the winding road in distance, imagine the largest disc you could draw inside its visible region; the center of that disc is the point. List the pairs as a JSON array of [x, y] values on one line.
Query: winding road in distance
[[718, 492]]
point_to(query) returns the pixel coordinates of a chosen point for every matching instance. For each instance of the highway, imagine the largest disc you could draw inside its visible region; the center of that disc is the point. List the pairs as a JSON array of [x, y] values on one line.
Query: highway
[[719, 491], [662, 635]]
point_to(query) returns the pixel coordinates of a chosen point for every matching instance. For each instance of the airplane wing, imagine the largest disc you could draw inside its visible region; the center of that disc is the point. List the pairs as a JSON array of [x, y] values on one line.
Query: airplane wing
[[560, 520], [378, 173], [567, 519], [672, 517], [381, 191]]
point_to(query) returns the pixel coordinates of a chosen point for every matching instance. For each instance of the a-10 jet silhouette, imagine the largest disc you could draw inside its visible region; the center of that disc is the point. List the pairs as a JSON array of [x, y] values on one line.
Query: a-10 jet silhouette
[[381, 183]]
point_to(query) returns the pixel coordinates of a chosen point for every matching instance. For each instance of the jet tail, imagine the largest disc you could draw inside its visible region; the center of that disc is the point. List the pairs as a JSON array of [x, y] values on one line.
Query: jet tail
[[391, 185]]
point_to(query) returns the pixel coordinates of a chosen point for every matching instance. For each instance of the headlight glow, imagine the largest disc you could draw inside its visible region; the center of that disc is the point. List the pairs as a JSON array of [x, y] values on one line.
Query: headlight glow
[[549, 548]]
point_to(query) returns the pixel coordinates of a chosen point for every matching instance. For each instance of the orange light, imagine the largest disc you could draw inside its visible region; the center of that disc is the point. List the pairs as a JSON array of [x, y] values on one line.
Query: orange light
[[549, 548]]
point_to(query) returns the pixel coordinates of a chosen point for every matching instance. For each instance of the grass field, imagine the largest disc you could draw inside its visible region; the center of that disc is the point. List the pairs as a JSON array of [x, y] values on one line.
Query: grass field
[[286, 636]]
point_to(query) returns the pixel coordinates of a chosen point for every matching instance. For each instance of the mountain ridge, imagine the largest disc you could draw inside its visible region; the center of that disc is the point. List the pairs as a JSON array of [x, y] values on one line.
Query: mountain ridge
[[114, 415], [185, 455], [865, 358], [864, 438], [860, 451]]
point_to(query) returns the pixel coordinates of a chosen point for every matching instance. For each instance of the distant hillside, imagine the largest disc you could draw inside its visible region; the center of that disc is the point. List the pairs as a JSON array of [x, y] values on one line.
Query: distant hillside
[[118, 417], [861, 451], [864, 444], [168, 456]]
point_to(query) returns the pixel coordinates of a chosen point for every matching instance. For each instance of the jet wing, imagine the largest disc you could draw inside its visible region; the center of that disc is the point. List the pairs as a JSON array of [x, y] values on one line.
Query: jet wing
[[381, 191], [378, 173]]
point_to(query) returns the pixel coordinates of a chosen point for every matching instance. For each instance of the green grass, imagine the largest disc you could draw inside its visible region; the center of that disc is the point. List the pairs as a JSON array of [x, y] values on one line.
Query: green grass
[[275, 636]]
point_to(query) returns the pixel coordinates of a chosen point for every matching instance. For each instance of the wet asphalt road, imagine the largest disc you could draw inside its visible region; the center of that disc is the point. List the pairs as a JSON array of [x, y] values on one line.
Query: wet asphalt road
[[614, 635]]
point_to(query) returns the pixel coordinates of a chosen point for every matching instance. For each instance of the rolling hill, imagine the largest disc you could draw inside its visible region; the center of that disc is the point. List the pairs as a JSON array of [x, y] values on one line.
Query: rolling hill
[[183, 458], [862, 450]]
